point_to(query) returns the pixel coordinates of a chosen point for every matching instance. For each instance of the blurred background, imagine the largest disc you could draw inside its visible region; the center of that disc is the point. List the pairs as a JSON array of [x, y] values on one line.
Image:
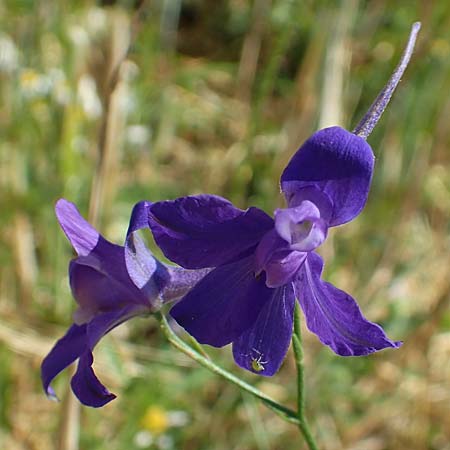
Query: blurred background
[[108, 103]]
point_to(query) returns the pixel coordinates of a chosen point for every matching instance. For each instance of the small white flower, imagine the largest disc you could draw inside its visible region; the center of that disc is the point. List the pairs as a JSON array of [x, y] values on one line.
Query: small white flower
[[9, 55], [143, 439], [137, 135], [88, 96]]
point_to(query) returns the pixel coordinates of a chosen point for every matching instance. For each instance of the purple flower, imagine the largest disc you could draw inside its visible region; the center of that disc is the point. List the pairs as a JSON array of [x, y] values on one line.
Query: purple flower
[[262, 264], [111, 284]]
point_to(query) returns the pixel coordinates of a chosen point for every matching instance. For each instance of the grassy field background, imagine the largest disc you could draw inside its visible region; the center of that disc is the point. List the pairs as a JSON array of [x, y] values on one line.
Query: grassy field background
[[108, 104]]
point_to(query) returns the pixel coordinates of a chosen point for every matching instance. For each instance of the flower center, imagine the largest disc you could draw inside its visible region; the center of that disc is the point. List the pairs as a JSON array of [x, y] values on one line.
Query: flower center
[[299, 231], [283, 250], [301, 227]]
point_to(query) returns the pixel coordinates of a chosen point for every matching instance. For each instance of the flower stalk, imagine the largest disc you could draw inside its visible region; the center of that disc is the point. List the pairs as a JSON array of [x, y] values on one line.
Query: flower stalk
[[298, 353], [284, 412]]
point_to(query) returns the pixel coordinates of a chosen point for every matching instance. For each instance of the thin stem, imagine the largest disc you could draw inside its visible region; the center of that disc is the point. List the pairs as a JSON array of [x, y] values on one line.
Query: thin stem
[[284, 412], [371, 118], [197, 347], [298, 353]]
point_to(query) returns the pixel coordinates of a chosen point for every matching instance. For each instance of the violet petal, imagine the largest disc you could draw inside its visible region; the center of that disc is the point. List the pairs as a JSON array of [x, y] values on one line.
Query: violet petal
[[139, 217], [283, 267], [102, 255], [205, 230], [140, 262], [301, 226], [145, 271], [269, 244], [224, 304], [181, 281], [81, 234], [96, 291], [334, 316], [262, 348], [336, 162], [274, 256], [85, 385], [98, 277], [64, 352]]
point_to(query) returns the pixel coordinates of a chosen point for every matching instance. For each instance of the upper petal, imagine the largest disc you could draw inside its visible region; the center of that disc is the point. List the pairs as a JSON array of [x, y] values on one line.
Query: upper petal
[[100, 282], [146, 272], [95, 290], [334, 315], [99, 277], [337, 163], [181, 281], [262, 348], [139, 217], [81, 234], [160, 283], [224, 304], [205, 230]]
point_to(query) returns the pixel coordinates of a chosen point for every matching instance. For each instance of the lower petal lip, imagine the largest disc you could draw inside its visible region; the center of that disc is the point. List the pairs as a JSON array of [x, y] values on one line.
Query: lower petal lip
[[334, 316], [262, 348], [283, 270], [289, 224]]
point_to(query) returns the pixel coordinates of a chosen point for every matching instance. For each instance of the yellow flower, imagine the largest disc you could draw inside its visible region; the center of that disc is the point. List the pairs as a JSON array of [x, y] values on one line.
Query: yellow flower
[[155, 419], [34, 84], [29, 79]]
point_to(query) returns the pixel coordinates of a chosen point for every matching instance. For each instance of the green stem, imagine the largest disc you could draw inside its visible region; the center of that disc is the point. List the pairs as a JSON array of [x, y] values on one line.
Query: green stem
[[284, 412], [197, 347], [298, 352]]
